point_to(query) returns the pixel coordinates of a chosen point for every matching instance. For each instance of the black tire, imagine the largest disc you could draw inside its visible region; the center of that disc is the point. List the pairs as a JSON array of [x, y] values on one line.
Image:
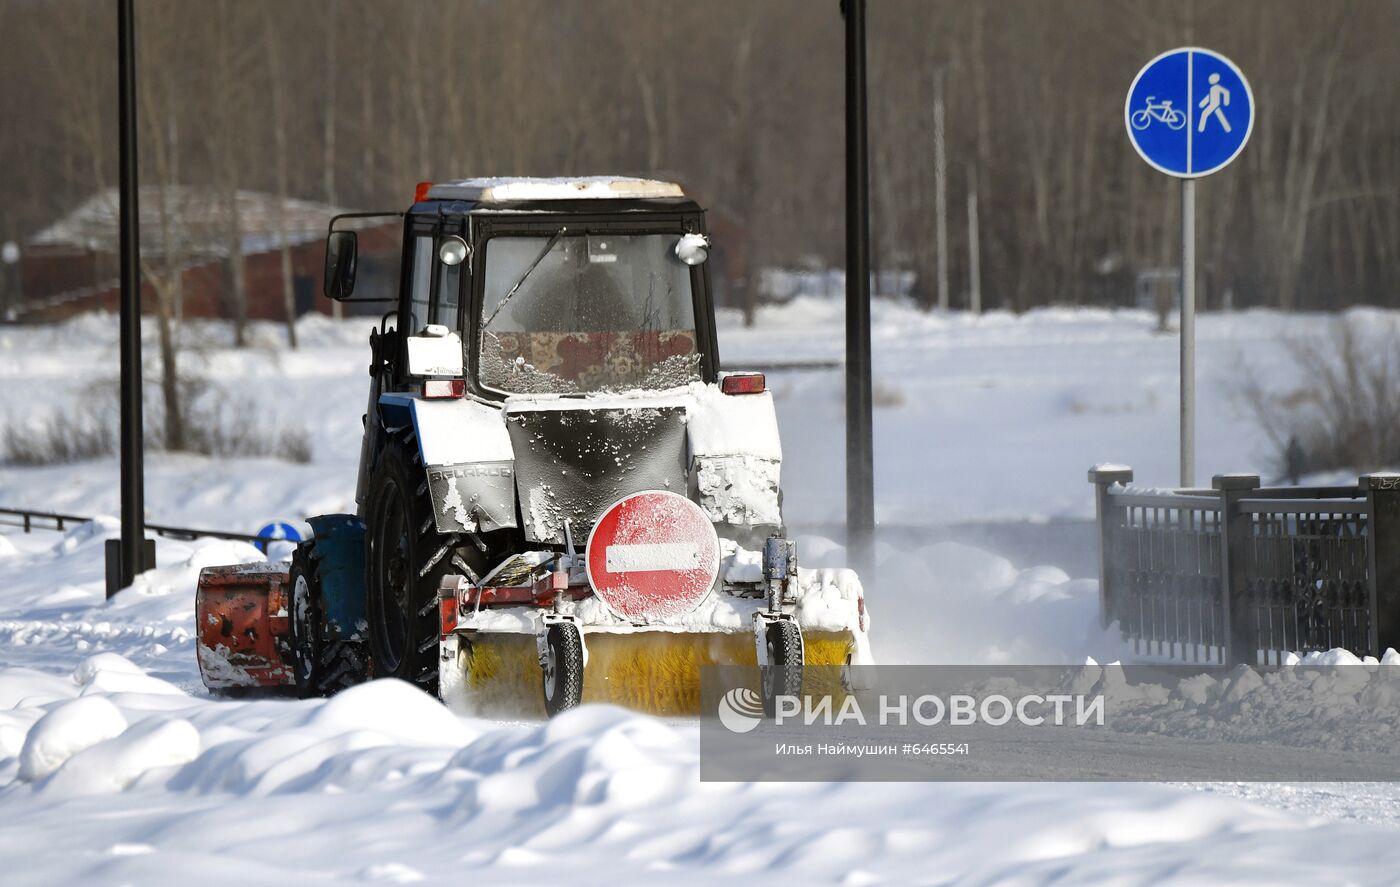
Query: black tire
[[405, 561], [343, 664], [782, 676], [321, 665], [562, 670], [304, 616]]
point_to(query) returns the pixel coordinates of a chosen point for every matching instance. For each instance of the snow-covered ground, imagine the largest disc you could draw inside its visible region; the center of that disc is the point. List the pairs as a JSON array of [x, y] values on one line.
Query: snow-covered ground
[[117, 767]]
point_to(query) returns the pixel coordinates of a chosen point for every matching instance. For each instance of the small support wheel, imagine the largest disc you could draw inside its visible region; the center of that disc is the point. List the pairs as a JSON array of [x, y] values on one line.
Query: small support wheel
[[782, 676], [561, 667]]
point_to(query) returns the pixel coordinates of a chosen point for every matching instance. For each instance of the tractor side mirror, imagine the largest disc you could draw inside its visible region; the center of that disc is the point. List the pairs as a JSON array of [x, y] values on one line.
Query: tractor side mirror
[[340, 264]]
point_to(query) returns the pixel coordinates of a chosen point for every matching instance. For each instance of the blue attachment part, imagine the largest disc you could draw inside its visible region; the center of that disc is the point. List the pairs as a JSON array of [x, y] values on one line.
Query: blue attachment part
[[338, 548], [396, 409]]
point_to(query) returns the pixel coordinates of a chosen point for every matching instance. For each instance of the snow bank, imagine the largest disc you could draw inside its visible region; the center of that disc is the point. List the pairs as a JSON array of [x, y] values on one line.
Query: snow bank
[[280, 790], [1330, 700], [360, 788], [66, 730]]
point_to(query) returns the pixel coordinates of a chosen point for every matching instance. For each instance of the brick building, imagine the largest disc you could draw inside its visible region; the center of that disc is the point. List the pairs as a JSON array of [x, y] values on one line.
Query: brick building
[[71, 266]]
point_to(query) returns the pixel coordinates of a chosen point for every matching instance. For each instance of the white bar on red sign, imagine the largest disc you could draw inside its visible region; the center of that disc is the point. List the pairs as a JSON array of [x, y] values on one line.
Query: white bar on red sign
[[652, 556]]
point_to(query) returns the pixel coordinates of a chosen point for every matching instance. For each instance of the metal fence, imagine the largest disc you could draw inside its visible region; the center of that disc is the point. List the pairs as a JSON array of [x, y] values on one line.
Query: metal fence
[[1244, 573], [29, 520]]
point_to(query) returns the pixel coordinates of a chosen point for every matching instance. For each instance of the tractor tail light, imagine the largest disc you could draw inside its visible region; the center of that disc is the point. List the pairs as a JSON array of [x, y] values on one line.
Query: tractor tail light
[[420, 192], [743, 383], [443, 389], [447, 615]]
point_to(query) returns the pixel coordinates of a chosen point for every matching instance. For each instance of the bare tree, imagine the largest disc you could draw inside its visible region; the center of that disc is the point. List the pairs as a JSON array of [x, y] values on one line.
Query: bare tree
[[277, 90]]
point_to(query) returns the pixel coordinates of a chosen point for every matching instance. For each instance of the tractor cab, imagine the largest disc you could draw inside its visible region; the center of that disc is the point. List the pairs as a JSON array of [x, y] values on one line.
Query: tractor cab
[[546, 286]]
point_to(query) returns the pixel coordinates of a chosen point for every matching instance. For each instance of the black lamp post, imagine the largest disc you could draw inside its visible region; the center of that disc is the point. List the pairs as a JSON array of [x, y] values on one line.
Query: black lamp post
[[860, 455], [131, 554]]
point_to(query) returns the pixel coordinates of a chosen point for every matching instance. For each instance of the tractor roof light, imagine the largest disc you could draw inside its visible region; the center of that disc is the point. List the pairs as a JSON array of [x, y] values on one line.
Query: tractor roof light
[[420, 191], [743, 383]]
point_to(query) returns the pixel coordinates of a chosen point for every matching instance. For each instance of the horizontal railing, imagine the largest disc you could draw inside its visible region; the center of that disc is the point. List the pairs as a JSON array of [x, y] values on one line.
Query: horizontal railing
[[29, 520], [1244, 573]]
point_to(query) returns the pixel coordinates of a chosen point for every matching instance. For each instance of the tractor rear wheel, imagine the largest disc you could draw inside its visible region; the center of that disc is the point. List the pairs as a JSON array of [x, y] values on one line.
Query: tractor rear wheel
[[405, 562]]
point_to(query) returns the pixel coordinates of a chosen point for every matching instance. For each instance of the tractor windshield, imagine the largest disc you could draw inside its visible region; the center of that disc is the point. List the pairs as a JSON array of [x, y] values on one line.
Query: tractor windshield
[[598, 312]]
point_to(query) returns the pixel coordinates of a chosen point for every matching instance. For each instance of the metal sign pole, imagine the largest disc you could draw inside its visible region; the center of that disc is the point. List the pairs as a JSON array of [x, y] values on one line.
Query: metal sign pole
[[1188, 332], [860, 458], [130, 555], [1161, 117]]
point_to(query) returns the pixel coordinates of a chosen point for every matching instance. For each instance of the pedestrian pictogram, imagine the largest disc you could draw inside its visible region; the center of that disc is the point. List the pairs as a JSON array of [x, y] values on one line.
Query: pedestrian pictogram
[[1214, 104]]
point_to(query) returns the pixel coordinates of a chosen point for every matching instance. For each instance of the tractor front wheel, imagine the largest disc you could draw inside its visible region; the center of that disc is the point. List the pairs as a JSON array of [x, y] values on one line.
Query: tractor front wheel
[[405, 561]]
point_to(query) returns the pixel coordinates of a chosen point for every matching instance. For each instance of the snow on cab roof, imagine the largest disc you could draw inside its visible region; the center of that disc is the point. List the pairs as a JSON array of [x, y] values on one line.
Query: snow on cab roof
[[583, 188]]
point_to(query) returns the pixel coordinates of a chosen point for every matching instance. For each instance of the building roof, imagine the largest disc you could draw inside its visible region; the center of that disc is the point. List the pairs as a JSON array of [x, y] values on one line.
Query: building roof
[[493, 190], [197, 220]]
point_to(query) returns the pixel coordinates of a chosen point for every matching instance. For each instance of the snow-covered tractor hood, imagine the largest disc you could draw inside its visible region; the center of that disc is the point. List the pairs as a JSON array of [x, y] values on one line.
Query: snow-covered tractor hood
[[567, 458]]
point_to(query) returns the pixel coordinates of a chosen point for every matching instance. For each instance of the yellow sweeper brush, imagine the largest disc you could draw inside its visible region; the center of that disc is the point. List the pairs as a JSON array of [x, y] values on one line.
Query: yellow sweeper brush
[[651, 671], [635, 619]]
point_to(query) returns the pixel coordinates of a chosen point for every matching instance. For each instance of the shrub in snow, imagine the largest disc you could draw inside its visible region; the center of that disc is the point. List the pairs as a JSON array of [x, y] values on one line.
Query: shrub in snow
[[71, 435], [1347, 418], [65, 731]]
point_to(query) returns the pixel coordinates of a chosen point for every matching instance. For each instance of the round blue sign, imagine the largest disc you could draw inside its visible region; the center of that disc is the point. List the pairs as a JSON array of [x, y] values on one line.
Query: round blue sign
[[1189, 112], [277, 531]]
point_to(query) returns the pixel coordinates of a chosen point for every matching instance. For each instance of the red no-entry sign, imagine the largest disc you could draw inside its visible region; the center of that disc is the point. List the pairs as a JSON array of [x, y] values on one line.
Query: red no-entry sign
[[652, 556]]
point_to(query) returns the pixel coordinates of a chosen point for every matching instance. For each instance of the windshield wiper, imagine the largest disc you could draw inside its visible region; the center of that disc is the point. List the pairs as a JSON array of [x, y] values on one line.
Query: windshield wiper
[[513, 290]]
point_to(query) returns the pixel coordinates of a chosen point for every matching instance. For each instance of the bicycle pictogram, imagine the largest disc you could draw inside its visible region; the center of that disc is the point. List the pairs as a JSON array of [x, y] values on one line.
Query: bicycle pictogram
[[1162, 111]]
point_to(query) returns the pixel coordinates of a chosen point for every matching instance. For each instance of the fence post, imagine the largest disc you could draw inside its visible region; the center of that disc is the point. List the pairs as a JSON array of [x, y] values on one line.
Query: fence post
[[1241, 643], [1383, 558], [1103, 477]]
